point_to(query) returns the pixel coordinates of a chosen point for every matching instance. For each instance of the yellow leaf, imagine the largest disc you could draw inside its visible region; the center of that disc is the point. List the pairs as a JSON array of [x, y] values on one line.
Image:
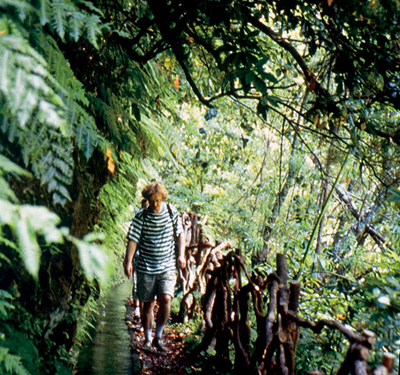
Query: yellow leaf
[[340, 316], [110, 161], [167, 63], [316, 120], [363, 126], [111, 166]]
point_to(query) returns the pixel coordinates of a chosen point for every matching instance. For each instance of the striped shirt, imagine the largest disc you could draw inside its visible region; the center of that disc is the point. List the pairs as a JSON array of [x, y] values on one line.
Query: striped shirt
[[154, 236]]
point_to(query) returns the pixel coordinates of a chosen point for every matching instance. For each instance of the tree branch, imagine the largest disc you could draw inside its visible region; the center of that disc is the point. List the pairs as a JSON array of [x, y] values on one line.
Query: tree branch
[[308, 74]]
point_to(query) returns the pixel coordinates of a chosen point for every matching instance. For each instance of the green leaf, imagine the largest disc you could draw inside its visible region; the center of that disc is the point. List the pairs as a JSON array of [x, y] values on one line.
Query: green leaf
[[394, 195], [92, 29], [23, 7], [11, 363], [4, 61], [8, 166], [4, 305], [48, 175], [250, 76], [262, 110], [40, 219], [43, 12], [136, 111], [77, 23], [7, 212], [29, 249], [268, 76], [93, 258], [260, 85], [58, 17]]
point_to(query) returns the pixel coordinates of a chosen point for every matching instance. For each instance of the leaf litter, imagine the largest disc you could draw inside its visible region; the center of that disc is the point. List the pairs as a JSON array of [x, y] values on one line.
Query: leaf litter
[[173, 361]]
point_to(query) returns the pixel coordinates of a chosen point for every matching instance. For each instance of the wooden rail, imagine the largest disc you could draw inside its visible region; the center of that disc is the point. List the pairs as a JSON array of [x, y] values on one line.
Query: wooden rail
[[215, 272]]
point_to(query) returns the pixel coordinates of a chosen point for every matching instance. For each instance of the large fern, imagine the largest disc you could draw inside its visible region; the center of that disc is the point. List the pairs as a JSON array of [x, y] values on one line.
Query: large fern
[[27, 222], [10, 363], [65, 18], [42, 107], [39, 92], [30, 98]]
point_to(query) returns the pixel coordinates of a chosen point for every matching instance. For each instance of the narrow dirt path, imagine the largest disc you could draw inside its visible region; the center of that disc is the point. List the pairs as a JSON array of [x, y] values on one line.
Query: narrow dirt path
[[156, 362]]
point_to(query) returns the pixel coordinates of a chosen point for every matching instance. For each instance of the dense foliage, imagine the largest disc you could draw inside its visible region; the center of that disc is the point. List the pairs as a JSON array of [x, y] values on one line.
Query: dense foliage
[[277, 119]]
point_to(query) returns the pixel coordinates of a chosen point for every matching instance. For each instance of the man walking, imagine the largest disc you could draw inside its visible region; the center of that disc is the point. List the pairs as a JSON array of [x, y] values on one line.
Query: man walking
[[152, 231]]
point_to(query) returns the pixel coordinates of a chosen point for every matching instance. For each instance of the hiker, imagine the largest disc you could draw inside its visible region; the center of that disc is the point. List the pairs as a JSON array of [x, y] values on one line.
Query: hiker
[[152, 232]]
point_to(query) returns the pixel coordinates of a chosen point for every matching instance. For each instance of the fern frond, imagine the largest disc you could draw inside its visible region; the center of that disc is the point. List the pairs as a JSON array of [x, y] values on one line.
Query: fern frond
[[67, 19], [173, 140], [7, 166], [87, 138], [58, 17], [43, 11], [64, 17], [43, 221], [4, 61], [132, 166], [4, 305], [26, 80], [23, 8], [6, 192], [93, 257], [3, 258], [89, 5], [18, 90], [93, 29], [86, 133], [76, 25], [50, 92], [11, 363], [27, 222], [8, 243], [30, 250]]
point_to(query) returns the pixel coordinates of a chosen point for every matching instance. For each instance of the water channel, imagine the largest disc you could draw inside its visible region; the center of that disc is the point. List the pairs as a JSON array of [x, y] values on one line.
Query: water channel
[[110, 351]]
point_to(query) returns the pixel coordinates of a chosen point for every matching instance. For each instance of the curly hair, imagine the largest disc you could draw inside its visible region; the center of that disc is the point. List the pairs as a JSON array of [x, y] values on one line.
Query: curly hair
[[152, 189]]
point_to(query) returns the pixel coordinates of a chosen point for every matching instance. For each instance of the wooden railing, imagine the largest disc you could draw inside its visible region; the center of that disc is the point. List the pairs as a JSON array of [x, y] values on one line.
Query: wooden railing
[[214, 272]]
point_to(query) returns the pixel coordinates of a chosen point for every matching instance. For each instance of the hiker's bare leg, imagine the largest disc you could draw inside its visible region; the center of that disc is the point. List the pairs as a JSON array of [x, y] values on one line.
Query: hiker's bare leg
[[147, 314], [164, 308], [147, 320], [164, 303]]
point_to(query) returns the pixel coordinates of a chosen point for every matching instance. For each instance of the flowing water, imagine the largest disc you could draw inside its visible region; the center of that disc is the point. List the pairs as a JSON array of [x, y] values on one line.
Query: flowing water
[[110, 351]]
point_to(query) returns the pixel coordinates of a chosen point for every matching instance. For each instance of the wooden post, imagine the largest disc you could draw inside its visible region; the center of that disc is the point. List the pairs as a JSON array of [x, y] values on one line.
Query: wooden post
[[294, 295], [292, 328], [282, 268], [387, 365], [388, 361], [357, 356]]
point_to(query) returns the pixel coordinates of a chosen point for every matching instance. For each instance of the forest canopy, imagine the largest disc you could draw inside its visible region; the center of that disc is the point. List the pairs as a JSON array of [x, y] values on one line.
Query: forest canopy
[[279, 120]]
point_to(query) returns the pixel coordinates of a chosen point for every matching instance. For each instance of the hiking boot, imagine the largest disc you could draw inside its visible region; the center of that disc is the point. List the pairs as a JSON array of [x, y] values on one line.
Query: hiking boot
[[158, 343], [146, 346]]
